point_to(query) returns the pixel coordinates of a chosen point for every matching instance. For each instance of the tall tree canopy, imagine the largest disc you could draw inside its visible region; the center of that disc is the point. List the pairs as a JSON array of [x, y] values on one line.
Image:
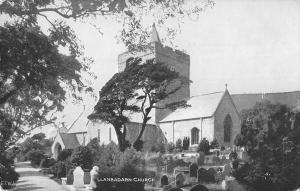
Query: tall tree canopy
[[273, 143], [136, 90]]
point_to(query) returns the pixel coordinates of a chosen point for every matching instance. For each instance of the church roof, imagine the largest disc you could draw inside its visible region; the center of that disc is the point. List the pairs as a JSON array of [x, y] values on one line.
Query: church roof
[[200, 106], [80, 123], [69, 140], [154, 34], [247, 101]]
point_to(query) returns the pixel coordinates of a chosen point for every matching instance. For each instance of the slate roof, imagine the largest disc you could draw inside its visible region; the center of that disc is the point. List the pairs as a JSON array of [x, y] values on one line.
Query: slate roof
[[154, 34], [80, 123], [201, 106], [70, 141], [247, 101]]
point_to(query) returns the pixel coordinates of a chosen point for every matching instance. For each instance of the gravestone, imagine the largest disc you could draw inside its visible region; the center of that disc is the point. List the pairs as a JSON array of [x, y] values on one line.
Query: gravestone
[[202, 175], [78, 178], [94, 172], [227, 170], [164, 180], [199, 187], [193, 170], [179, 180], [211, 174]]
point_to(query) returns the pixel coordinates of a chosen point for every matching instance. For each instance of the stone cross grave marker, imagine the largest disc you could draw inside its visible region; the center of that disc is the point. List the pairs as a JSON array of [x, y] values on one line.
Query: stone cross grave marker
[[164, 180], [94, 172], [78, 178], [193, 170], [179, 180]]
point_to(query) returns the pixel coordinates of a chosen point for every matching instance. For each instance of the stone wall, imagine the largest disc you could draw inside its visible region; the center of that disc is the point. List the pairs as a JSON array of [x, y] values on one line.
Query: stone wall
[[180, 129]]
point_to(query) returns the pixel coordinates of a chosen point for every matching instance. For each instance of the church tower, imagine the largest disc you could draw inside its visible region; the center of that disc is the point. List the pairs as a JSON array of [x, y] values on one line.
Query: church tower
[[174, 59]]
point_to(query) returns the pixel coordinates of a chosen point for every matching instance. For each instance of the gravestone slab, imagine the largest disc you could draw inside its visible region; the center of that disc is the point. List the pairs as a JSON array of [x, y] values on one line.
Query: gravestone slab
[[193, 170], [179, 180], [202, 175], [164, 180], [211, 174]]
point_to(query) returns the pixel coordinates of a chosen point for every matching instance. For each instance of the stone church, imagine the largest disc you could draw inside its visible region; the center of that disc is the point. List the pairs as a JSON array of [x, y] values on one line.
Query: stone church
[[211, 116]]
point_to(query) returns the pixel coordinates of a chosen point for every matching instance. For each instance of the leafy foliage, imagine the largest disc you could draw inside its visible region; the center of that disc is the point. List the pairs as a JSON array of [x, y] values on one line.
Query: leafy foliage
[[178, 145], [130, 164], [214, 144], [186, 143], [204, 146], [272, 142], [82, 156]]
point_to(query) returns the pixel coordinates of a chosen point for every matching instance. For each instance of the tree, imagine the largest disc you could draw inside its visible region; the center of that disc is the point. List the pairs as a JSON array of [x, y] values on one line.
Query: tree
[[131, 13], [35, 77], [273, 146], [214, 144], [204, 146], [136, 90]]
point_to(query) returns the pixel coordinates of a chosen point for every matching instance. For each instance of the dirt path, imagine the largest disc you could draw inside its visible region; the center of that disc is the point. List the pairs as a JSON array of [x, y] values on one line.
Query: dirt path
[[33, 180]]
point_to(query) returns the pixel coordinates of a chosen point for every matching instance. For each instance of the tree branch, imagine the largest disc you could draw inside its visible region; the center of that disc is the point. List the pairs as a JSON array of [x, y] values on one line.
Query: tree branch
[[7, 95]]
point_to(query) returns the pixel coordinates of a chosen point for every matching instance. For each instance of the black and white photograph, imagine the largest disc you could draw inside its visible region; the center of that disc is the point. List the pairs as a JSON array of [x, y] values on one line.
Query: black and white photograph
[[149, 95]]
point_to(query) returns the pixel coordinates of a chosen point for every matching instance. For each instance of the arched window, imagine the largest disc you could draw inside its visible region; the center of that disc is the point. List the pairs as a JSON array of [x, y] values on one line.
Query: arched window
[[227, 128], [194, 135]]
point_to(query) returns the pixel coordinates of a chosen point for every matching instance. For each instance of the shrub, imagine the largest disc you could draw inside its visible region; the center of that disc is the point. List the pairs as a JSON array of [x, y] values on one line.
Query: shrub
[[35, 156], [214, 144], [201, 158], [222, 148], [178, 145], [130, 165], [186, 143], [47, 162], [204, 146], [170, 147], [64, 154], [233, 155], [82, 156], [239, 140], [8, 176]]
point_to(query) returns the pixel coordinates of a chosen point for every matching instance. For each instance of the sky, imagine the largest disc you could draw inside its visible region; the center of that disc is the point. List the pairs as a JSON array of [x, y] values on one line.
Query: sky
[[251, 45]]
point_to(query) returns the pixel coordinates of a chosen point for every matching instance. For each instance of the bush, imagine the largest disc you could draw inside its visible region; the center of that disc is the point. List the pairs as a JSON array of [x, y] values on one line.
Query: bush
[[178, 145], [8, 176], [186, 143], [239, 140], [47, 162], [82, 156], [130, 165], [36, 156], [214, 144], [201, 158], [233, 155], [170, 147], [204, 146], [222, 148], [64, 154]]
